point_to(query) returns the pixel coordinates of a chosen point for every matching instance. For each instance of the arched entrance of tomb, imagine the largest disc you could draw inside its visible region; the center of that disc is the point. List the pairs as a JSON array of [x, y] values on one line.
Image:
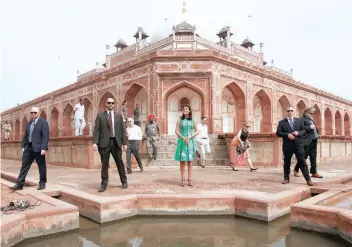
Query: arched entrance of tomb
[[338, 123], [233, 108], [282, 105], [68, 123], [301, 106], [328, 122], [54, 122], [24, 125], [137, 94], [262, 112], [17, 129], [317, 117], [176, 101], [43, 115], [347, 125], [88, 117]]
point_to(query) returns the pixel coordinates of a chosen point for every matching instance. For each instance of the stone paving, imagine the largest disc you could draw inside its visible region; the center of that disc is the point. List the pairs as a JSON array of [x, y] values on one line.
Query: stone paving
[[166, 180]]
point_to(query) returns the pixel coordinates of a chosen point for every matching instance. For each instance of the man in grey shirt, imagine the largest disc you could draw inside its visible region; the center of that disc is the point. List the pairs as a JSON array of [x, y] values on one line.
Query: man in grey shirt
[[152, 135]]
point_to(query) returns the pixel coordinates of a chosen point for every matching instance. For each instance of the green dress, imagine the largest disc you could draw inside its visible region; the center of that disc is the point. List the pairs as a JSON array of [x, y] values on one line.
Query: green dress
[[186, 152]]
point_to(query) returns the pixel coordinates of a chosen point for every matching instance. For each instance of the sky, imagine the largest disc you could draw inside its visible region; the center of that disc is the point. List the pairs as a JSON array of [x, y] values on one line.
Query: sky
[[44, 43]]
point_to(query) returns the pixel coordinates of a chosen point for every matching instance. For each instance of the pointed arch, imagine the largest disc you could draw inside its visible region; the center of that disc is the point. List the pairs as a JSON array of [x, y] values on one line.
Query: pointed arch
[[164, 122], [338, 123], [17, 129], [88, 116], [317, 116], [43, 115], [328, 121], [262, 111], [347, 124], [24, 125], [54, 122], [233, 107], [301, 106], [282, 105], [103, 99], [136, 89], [67, 128]]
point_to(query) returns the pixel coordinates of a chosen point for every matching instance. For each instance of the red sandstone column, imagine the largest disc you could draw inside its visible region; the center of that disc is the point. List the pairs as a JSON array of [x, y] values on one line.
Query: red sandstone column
[[277, 150]]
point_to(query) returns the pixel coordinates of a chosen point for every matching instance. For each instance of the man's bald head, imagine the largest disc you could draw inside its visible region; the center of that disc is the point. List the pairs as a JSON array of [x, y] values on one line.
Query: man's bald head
[[34, 112]]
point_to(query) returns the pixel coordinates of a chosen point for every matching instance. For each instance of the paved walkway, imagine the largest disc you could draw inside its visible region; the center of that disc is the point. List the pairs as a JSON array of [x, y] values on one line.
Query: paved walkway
[[166, 180]]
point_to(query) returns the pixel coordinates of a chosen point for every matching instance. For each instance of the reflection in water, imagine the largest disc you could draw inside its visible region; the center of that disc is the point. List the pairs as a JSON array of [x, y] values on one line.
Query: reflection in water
[[186, 232]]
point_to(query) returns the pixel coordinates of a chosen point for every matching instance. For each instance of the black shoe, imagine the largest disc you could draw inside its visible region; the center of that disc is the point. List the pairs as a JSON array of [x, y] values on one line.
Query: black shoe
[[150, 159], [129, 172], [102, 189], [41, 187], [142, 170], [154, 157], [286, 181], [17, 187], [124, 186]]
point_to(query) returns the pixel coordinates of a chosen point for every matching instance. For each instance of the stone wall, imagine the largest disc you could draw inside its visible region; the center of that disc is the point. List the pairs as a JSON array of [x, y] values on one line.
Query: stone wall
[[266, 149]]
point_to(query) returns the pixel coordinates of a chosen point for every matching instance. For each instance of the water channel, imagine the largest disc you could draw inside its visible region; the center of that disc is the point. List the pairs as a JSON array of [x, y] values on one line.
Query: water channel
[[186, 232]]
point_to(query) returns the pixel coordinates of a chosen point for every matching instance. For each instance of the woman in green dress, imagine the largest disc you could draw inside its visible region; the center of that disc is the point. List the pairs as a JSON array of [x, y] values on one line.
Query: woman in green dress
[[186, 130]]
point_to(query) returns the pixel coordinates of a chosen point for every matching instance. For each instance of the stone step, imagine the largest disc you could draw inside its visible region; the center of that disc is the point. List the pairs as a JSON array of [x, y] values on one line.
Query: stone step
[[171, 162], [174, 142], [172, 148], [170, 155]]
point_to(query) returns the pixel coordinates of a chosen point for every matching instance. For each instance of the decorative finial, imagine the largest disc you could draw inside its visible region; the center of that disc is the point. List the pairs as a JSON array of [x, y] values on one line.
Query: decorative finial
[[184, 10]]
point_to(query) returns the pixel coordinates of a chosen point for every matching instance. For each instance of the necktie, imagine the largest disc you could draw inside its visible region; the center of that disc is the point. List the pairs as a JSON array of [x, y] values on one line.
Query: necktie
[[110, 124], [291, 122], [31, 131]]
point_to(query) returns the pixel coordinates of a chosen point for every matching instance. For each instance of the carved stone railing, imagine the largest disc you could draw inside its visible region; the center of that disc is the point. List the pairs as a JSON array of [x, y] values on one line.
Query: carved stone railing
[[123, 51], [213, 45], [184, 37], [280, 71], [156, 45]]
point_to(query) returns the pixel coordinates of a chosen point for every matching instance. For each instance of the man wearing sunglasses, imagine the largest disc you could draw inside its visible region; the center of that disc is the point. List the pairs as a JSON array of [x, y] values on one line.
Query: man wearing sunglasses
[[310, 142], [34, 147], [292, 130], [109, 137]]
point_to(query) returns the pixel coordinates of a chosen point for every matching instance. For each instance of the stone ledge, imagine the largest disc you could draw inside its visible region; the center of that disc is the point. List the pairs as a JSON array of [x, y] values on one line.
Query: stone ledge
[[57, 217], [317, 214]]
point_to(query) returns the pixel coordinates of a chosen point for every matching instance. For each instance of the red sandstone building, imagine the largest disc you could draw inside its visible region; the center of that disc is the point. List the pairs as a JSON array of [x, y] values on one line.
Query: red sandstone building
[[227, 82]]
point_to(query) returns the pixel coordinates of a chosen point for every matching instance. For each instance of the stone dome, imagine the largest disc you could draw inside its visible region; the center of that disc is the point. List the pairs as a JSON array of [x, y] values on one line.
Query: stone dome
[[184, 27]]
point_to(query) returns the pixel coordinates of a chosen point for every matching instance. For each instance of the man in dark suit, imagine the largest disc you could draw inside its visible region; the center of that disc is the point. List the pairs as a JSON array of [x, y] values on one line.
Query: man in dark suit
[[291, 130], [310, 142], [109, 137], [34, 147]]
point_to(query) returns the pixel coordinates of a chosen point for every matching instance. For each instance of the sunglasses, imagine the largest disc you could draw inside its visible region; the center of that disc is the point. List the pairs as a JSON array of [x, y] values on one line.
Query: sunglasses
[[289, 110], [33, 112], [130, 121], [311, 113], [248, 126], [111, 103]]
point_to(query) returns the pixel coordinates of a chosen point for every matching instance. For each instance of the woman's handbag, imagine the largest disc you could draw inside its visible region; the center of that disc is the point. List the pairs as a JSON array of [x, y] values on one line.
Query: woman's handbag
[[235, 141]]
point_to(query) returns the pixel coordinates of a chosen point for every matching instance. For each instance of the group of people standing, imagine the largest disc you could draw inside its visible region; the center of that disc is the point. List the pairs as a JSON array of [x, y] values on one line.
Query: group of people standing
[[113, 134]]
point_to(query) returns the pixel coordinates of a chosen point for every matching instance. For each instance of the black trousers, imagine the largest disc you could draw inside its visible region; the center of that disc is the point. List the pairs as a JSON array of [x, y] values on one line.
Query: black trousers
[[133, 148], [301, 161], [28, 157], [311, 151], [116, 153]]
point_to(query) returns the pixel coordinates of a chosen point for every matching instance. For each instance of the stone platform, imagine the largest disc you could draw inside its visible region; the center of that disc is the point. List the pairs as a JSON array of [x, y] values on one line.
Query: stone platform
[[47, 216], [156, 191]]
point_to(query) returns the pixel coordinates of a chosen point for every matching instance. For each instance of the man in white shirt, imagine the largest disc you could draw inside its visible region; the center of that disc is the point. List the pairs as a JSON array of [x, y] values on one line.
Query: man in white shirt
[[203, 142], [80, 123], [134, 134]]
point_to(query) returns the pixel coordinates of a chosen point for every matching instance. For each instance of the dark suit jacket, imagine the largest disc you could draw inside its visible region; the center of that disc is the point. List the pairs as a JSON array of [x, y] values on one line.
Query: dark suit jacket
[[310, 133], [40, 135], [284, 128], [101, 134]]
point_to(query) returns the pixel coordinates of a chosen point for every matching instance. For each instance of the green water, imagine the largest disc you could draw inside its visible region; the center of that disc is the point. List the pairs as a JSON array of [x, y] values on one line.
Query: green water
[[186, 232]]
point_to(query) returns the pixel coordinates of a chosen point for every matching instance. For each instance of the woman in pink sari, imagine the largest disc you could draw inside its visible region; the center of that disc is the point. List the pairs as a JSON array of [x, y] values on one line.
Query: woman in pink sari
[[242, 148]]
